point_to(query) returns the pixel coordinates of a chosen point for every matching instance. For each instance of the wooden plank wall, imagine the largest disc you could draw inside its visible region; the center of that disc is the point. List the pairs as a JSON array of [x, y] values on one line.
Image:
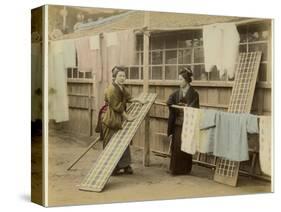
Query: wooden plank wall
[[79, 106], [80, 110], [210, 97]]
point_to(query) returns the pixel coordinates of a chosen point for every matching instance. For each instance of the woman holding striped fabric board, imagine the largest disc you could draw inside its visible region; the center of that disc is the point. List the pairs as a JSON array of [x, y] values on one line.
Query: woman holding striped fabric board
[[116, 98]]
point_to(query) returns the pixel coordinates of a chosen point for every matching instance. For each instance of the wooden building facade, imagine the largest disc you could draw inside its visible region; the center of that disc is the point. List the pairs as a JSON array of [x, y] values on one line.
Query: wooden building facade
[[175, 41]]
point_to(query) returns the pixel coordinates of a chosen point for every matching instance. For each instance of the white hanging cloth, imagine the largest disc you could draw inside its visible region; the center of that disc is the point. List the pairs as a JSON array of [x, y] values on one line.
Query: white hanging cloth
[[36, 82], [265, 144], [221, 48], [57, 77]]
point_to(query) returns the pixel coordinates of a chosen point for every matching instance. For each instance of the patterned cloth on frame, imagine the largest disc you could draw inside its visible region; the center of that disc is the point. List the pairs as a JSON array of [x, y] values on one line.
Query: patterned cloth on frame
[[190, 130], [207, 131], [97, 177], [265, 144]]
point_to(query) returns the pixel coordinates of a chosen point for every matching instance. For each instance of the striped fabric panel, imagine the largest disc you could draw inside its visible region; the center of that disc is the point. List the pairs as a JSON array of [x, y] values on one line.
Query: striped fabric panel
[[98, 176]]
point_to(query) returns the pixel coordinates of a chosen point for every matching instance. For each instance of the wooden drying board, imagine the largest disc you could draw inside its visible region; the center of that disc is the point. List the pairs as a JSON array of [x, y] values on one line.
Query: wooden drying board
[[240, 102], [98, 176]]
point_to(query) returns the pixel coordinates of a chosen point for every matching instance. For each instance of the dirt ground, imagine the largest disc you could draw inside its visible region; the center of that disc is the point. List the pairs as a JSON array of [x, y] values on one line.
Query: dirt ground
[[147, 183]]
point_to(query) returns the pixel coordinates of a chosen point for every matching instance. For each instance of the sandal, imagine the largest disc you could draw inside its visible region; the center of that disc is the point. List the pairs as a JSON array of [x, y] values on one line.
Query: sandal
[[116, 172], [128, 170]]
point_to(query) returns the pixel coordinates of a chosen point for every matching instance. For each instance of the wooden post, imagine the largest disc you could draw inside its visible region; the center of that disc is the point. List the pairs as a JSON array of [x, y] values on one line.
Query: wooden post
[[94, 106], [146, 148], [90, 109], [146, 53], [63, 14], [269, 57]]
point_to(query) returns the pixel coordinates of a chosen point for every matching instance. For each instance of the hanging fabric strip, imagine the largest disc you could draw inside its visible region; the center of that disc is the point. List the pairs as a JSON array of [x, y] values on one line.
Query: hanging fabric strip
[[265, 143]]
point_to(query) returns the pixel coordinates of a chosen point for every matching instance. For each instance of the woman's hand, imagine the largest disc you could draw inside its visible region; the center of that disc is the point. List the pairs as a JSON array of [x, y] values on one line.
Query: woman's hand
[[182, 104], [170, 137], [140, 101], [128, 117], [143, 102]]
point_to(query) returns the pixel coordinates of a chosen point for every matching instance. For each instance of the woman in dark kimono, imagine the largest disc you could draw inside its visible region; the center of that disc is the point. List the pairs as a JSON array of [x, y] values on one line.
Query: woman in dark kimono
[[116, 98], [181, 162]]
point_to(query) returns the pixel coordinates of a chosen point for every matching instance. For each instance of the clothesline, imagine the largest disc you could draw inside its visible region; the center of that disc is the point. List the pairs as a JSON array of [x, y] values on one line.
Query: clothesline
[[164, 104], [181, 107], [201, 144]]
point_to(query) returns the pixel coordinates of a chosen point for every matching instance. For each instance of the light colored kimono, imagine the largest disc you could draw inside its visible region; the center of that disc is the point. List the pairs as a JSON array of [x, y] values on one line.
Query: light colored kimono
[[230, 134]]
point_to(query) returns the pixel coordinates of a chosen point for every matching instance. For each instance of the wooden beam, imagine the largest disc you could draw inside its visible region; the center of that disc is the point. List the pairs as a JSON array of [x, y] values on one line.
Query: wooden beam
[[172, 29], [146, 53], [146, 152], [90, 111]]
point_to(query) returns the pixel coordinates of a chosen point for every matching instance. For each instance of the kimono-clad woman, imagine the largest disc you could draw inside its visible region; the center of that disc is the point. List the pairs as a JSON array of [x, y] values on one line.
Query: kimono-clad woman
[[181, 162], [116, 97]]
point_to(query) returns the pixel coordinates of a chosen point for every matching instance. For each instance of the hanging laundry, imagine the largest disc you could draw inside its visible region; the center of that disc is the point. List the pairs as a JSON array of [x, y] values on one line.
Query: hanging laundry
[[212, 37], [36, 82], [221, 47], [120, 48], [198, 130], [95, 50], [57, 83], [111, 53], [110, 58], [69, 53], [116, 48], [101, 60], [127, 39], [99, 84], [94, 42], [265, 144], [84, 55], [207, 131], [190, 130], [231, 40], [230, 140]]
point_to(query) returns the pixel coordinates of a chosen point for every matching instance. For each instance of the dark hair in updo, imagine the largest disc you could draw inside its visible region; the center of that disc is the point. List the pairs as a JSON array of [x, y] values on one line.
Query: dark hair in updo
[[117, 69], [186, 73]]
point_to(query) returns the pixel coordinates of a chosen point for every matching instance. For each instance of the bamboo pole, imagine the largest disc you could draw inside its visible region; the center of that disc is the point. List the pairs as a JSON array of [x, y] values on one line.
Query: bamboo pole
[[90, 146], [84, 153]]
